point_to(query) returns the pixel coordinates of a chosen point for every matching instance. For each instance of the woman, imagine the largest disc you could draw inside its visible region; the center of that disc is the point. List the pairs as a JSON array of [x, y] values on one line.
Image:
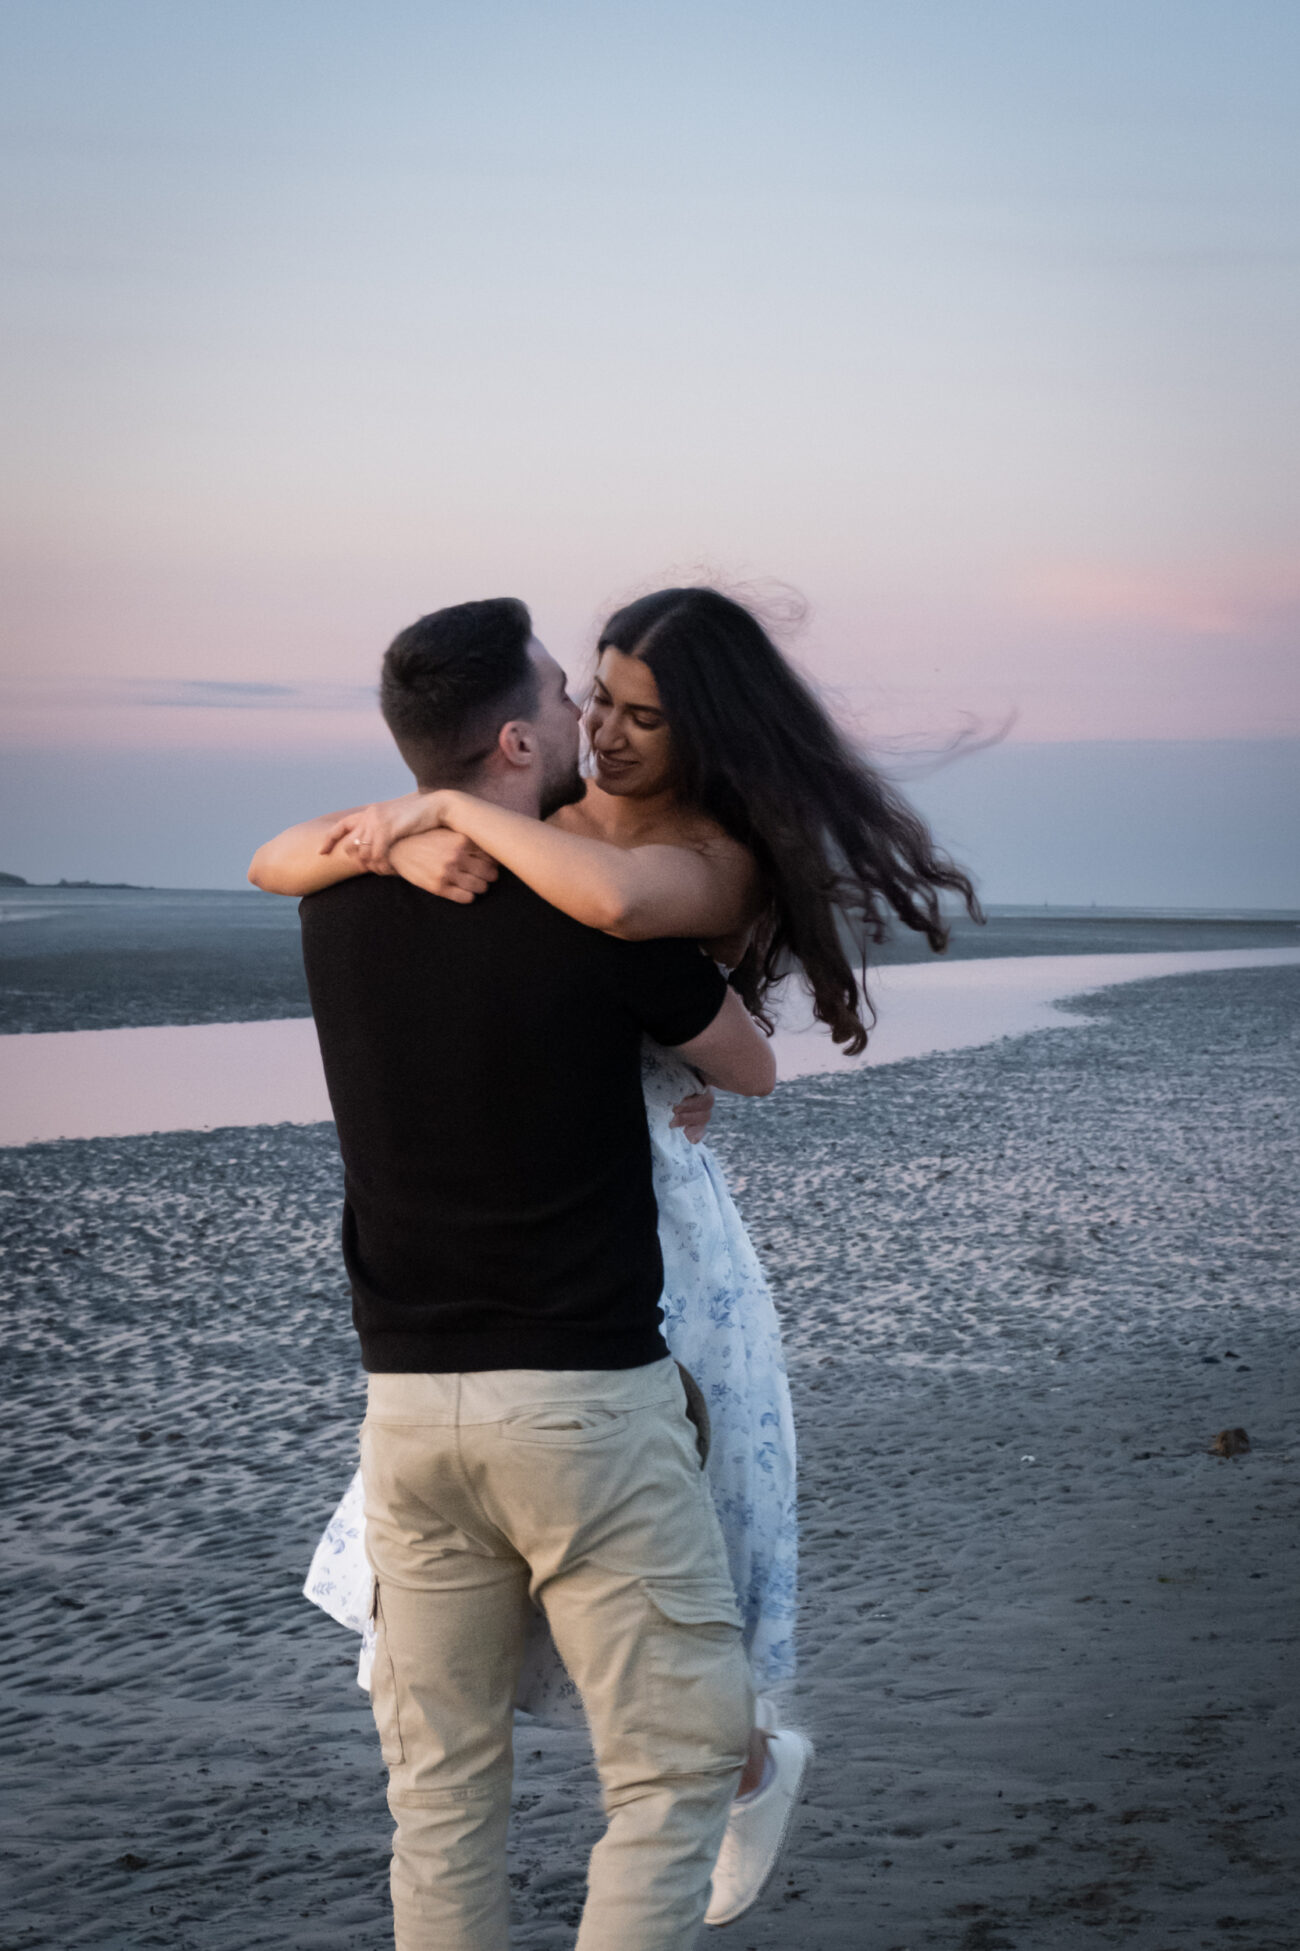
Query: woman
[[727, 807]]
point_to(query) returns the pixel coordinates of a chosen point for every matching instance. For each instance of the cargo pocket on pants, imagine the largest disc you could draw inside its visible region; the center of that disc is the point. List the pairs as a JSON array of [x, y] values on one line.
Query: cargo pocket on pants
[[699, 1675], [700, 1602], [383, 1689]]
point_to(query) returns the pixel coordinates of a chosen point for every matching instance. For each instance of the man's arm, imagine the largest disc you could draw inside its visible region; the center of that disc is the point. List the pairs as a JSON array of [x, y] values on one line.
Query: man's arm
[[733, 1053]]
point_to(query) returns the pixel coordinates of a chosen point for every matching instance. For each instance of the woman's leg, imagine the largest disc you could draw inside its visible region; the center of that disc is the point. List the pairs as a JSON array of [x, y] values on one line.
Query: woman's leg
[[752, 1773]]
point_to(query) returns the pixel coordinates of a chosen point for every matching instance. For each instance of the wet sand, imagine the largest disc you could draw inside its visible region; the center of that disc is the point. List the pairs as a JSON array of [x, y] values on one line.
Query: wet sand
[[1048, 1644]]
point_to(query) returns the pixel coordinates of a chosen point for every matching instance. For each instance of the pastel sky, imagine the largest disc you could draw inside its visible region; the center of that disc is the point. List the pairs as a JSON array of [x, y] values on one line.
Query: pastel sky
[[974, 324]]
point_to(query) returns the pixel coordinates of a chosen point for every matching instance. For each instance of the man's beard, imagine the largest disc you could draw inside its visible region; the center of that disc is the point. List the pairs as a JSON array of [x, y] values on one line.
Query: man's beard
[[567, 790]]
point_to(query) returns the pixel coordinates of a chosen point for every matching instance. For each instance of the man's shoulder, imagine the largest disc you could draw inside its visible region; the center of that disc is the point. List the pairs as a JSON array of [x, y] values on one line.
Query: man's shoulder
[[382, 904], [389, 905], [368, 895]]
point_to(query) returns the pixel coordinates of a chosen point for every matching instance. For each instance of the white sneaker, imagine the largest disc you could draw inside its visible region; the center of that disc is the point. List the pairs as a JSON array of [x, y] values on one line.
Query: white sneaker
[[757, 1829]]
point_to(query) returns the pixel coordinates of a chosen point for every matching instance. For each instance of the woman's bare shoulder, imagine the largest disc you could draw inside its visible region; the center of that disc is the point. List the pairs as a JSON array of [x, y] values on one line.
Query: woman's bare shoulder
[[731, 859], [707, 837]]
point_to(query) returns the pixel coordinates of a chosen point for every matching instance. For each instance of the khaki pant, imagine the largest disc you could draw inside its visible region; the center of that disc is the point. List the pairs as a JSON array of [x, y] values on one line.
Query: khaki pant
[[581, 1491]]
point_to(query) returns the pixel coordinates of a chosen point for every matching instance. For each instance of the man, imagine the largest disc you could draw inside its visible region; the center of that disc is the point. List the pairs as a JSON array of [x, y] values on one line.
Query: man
[[526, 1437]]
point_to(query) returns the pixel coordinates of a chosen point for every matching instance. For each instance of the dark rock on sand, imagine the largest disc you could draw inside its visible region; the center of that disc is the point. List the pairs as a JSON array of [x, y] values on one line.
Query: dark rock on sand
[[1230, 1443]]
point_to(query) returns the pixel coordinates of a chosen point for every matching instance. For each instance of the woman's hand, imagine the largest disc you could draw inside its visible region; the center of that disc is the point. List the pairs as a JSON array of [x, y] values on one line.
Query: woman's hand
[[693, 1113], [368, 836], [443, 863], [305, 858]]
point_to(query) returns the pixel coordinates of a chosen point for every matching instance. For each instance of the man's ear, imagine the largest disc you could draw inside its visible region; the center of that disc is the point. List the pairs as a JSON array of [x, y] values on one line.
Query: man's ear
[[517, 743]]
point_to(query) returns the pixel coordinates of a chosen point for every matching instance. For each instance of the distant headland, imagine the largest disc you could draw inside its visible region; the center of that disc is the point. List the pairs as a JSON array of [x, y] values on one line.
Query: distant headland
[[19, 880]]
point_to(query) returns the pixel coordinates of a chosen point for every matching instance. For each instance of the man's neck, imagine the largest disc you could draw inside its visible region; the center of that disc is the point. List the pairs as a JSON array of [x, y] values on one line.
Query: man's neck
[[515, 790]]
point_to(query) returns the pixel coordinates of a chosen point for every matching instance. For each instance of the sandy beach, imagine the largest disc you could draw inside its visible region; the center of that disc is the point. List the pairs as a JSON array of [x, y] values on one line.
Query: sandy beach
[[1048, 1640]]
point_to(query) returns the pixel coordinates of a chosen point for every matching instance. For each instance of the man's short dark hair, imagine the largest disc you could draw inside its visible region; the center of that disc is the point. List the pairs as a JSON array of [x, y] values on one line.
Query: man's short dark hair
[[452, 680]]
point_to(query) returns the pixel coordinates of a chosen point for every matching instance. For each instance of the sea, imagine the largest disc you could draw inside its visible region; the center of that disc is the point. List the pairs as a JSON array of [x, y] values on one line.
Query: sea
[[125, 1011], [99, 958]]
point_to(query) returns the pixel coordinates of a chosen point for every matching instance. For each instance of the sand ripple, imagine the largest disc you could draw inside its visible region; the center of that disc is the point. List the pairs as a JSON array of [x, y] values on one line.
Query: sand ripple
[[1047, 1639]]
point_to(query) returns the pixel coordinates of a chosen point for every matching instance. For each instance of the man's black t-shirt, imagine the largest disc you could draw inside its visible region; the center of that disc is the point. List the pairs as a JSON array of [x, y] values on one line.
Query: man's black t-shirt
[[483, 1063]]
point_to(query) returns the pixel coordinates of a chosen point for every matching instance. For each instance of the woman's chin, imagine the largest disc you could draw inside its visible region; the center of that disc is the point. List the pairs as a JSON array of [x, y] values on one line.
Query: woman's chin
[[617, 779]]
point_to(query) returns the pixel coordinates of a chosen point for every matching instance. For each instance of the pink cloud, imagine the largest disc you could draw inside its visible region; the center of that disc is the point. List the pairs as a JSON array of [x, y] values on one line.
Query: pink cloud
[[1084, 594]]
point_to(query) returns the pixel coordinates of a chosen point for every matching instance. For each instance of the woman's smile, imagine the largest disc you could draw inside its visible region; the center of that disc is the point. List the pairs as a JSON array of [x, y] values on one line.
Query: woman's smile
[[616, 767]]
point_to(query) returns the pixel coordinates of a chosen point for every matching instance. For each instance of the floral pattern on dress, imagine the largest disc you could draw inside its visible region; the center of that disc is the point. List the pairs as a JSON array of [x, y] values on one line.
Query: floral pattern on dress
[[720, 1323]]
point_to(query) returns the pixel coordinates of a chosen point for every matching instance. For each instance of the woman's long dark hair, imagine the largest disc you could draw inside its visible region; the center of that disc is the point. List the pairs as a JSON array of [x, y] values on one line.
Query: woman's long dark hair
[[755, 750]]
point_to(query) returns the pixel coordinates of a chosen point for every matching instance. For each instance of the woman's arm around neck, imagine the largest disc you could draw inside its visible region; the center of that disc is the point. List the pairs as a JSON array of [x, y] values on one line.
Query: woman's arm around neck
[[706, 891]]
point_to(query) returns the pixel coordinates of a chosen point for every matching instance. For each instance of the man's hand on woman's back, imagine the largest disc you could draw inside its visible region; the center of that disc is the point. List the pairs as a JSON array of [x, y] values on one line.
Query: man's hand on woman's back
[[692, 1113]]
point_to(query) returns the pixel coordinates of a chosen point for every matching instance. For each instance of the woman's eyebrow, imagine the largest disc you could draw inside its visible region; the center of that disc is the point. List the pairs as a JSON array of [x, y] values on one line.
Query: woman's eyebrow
[[601, 692]]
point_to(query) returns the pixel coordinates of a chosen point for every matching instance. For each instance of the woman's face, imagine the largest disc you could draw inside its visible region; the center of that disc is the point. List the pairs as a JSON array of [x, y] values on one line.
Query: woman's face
[[628, 731]]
